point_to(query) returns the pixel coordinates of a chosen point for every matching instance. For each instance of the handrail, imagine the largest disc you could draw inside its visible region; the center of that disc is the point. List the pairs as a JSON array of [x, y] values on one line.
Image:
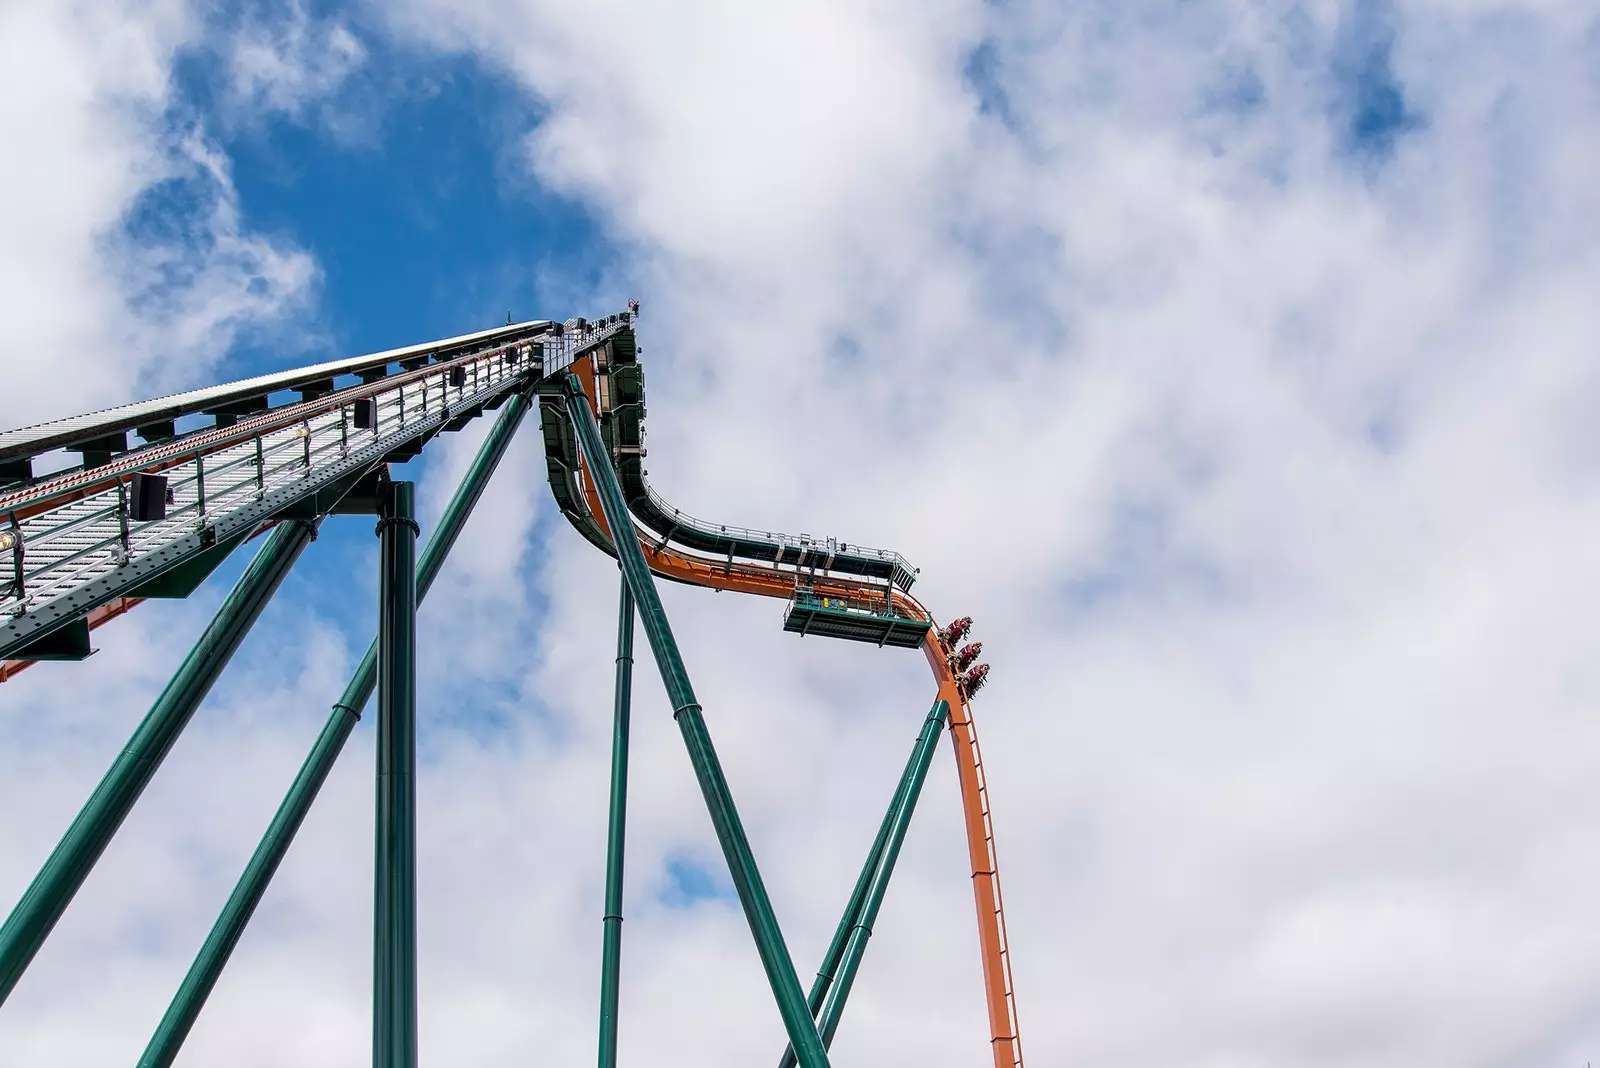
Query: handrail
[[75, 544], [30, 441], [805, 541], [619, 400]]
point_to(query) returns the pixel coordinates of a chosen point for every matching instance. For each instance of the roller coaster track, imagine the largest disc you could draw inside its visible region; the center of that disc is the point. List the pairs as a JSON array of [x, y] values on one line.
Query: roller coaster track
[[90, 540], [679, 547]]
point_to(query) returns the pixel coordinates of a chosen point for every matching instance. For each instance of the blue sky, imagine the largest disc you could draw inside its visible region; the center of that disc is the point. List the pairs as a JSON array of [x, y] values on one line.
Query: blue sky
[[1231, 362], [424, 231], [419, 221]]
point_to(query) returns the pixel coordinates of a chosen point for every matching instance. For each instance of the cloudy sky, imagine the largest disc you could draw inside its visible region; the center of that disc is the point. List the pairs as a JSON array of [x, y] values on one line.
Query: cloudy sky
[[1231, 362]]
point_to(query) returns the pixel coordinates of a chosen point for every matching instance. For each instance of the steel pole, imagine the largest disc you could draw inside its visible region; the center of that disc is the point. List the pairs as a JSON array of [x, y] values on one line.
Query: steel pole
[[758, 912], [226, 932], [921, 756], [858, 897], [53, 888], [611, 948], [394, 958]]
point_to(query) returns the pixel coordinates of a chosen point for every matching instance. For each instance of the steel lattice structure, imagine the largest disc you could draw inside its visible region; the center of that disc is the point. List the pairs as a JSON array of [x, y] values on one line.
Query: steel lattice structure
[[278, 454]]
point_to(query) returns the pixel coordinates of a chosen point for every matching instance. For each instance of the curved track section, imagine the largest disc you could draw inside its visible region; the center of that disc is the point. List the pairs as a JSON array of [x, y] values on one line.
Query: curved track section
[[770, 564]]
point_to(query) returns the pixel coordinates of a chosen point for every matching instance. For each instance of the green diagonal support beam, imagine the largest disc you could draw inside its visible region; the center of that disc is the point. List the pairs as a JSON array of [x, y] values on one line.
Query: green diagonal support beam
[[58, 881], [775, 959], [858, 896], [394, 912], [230, 925], [917, 772]]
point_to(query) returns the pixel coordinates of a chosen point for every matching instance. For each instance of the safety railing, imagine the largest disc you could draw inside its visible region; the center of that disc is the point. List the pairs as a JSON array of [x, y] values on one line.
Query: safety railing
[[561, 350], [878, 607], [65, 534], [805, 544]]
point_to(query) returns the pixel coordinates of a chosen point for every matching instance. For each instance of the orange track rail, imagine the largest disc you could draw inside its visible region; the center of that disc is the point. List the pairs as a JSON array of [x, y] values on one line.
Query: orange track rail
[[999, 993]]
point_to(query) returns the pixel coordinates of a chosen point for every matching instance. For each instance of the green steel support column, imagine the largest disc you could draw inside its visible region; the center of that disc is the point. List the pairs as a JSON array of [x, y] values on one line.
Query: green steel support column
[[858, 897], [797, 1020], [394, 957], [53, 888], [225, 934], [611, 951], [922, 756]]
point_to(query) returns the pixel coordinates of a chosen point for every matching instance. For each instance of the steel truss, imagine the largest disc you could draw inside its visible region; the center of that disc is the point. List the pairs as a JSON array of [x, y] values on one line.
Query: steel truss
[[86, 545]]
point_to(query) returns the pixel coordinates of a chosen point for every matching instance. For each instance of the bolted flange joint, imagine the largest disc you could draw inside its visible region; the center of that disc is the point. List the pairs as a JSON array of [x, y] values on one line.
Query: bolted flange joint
[[397, 520]]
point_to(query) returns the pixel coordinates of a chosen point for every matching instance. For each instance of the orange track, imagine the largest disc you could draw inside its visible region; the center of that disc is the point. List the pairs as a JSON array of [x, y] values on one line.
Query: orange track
[[999, 994]]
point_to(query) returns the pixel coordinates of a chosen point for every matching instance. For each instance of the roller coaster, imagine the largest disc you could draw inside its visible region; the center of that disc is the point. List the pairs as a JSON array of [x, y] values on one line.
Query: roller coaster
[[92, 523]]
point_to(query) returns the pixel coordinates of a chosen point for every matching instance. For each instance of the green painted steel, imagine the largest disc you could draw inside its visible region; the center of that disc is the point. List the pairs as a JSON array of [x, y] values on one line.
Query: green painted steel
[[394, 957], [230, 925], [775, 959], [53, 888], [225, 933], [471, 488], [858, 897], [188, 576], [611, 949], [921, 757]]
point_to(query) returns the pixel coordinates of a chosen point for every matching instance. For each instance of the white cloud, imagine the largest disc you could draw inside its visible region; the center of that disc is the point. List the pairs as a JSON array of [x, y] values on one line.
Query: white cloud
[[288, 60], [1266, 468], [124, 269], [1261, 463]]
